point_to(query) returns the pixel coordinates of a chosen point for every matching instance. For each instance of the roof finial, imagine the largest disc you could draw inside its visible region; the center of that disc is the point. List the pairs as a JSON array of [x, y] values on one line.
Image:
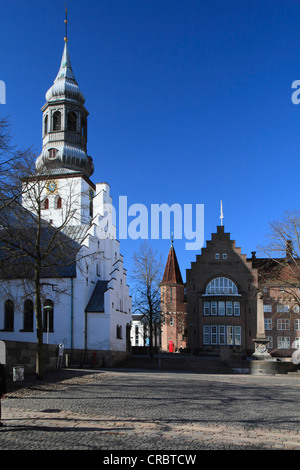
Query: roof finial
[[221, 214], [66, 23], [172, 237]]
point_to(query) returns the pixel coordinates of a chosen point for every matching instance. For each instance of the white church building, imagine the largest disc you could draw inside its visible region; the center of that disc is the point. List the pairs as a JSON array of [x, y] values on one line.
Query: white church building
[[87, 306]]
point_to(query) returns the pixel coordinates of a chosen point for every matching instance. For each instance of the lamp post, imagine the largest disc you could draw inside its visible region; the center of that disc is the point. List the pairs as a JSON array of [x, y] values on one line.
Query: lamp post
[[47, 308]]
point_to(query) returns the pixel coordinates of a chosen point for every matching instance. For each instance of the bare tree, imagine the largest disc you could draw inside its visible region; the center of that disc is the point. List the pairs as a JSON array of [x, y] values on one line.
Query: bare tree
[[280, 269], [32, 249], [146, 277]]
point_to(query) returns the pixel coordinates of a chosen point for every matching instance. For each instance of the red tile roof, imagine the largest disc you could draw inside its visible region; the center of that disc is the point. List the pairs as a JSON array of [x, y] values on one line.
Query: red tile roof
[[172, 274]]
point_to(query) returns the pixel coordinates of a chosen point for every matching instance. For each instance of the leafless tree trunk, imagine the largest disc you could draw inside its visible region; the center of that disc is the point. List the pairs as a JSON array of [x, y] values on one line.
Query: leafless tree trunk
[[281, 267], [146, 277], [31, 247]]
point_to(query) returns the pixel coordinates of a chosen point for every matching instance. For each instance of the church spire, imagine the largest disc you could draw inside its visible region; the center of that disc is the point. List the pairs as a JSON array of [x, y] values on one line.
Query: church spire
[[172, 274], [65, 123]]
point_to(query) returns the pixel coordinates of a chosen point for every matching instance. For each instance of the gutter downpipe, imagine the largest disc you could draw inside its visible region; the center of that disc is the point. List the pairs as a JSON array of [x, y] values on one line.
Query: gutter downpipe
[[72, 314]]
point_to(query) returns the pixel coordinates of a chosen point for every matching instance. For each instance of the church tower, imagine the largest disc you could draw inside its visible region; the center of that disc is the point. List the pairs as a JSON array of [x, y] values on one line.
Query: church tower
[[64, 167], [173, 307]]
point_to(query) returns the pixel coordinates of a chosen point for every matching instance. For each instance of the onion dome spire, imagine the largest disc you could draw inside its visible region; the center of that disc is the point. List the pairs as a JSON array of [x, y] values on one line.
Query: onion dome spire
[[65, 124]]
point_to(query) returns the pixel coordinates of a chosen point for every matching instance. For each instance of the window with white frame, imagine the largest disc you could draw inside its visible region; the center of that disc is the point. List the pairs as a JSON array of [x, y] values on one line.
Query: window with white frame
[[221, 285], [297, 324], [206, 308], [236, 309], [221, 335], [224, 255], [228, 308], [296, 308], [270, 341], [221, 308], [267, 308], [214, 334], [229, 334], [206, 334], [283, 342], [214, 308], [268, 324], [217, 255], [283, 324], [237, 335]]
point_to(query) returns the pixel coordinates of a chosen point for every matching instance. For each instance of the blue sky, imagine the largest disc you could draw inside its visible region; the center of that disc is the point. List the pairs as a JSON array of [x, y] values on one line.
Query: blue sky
[[189, 101]]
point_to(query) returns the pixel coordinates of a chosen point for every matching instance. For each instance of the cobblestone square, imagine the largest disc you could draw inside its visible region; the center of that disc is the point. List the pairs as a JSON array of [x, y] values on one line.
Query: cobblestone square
[[127, 410]]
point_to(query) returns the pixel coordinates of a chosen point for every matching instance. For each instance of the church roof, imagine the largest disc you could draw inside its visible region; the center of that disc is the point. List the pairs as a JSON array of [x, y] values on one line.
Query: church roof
[[65, 85], [172, 274], [96, 302]]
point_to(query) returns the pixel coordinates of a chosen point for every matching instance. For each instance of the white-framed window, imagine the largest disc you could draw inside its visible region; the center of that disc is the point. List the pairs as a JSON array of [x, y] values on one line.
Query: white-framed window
[[222, 335], [221, 285], [267, 308], [236, 309], [171, 321], [296, 308], [224, 255], [214, 334], [283, 324], [229, 335], [214, 308], [206, 308], [297, 324], [270, 341], [228, 308], [283, 342], [282, 308], [237, 335], [221, 306], [217, 256], [206, 334], [268, 324]]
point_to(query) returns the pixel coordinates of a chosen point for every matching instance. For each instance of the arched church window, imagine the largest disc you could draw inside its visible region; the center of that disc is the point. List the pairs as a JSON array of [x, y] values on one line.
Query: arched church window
[[221, 285], [52, 154], [58, 202], [28, 315], [45, 204], [48, 316], [72, 119], [9, 315], [46, 125], [57, 121]]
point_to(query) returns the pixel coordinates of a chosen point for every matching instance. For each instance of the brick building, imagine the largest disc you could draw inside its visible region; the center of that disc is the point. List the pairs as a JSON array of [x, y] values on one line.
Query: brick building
[[173, 306], [231, 305], [223, 306]]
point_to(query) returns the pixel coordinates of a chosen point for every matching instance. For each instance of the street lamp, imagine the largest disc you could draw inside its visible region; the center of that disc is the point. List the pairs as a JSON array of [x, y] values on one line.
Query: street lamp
[[48, 308]]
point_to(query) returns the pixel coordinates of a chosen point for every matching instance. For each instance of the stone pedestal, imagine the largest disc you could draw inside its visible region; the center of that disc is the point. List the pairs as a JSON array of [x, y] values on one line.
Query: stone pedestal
[[261, 349]]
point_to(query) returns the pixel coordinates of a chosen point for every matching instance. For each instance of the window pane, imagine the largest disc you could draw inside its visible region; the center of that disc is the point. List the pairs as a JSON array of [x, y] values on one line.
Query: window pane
[[221, 308], [236, 309], [228, 308], [214, 308]]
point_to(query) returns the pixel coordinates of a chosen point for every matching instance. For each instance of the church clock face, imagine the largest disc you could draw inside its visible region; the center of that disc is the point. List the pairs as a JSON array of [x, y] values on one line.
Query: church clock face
[[51, 186]]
